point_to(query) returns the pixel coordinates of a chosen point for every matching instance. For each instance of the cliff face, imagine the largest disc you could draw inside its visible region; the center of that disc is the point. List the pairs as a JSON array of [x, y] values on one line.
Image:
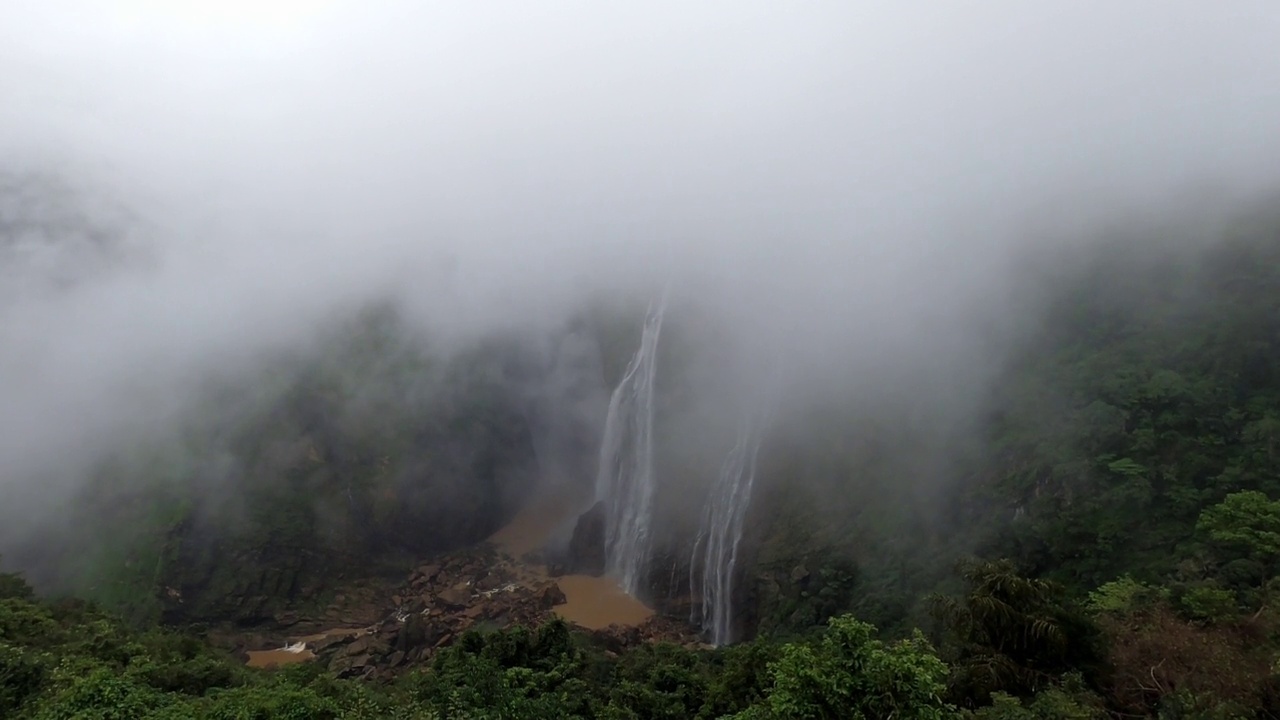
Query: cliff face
[[366, 453], [334, 511], [369, 453]]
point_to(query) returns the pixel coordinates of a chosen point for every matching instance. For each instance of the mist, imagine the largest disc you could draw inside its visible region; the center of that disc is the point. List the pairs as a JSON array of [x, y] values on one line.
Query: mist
[[844, 192]]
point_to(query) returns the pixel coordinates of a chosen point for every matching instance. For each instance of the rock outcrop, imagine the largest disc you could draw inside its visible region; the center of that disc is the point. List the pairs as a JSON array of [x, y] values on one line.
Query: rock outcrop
[[402, 626], [587, 546]]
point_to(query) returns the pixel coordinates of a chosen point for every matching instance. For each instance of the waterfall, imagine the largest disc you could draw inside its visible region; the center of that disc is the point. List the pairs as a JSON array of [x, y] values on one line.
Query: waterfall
[[624, 481], [715, 551]]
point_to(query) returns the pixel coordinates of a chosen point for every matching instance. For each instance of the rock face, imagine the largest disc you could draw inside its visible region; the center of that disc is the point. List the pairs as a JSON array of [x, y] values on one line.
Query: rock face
[[586, 547], [668, 589], [616, 638], [326, 493]]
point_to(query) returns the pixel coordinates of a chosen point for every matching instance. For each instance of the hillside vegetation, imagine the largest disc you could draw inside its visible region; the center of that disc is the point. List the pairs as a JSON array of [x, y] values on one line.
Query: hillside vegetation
[[1103, 540]]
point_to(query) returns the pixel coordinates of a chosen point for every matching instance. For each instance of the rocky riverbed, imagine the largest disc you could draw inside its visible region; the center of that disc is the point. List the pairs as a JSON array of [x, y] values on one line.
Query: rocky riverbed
[[378, 629]]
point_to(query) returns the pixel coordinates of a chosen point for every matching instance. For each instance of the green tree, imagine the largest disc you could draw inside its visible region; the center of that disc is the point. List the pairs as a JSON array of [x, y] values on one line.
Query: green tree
[[1248, 522], [1011, 633], [849, 675]]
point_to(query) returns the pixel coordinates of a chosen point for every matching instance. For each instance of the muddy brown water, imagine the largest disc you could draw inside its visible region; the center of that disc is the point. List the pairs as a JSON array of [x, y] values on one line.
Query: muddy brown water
[[289, 655], [277, 658], [598, 602], [592, 602]]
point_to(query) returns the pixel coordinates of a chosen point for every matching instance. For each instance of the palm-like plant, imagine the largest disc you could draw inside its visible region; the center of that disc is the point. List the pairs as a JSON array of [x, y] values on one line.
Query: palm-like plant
[[1008, 632]]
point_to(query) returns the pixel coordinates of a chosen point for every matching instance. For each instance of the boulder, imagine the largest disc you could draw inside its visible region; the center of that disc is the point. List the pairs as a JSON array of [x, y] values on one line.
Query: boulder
[[328, 641], [359, 657], [424, 575], [491, 581], [418, 632], [618, 638], [458, 596], [348, 666], [360, 645], [550, 596]]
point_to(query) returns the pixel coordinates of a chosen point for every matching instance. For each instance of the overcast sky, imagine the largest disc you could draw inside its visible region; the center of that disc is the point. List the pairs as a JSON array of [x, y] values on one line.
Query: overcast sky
[[847, 178]]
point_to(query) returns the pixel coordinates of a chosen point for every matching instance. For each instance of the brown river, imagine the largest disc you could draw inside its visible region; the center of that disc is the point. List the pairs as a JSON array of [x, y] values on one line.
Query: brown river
[[592, 602]]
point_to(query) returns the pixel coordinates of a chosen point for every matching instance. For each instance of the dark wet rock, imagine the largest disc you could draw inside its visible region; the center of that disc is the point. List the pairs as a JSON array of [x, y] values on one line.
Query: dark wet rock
[[550, 596], [617, 638], [455, 597], [348, 666], [682, 606], [424, 575], [361, 645], [328, 641], [257, 641], [359, 657], [667, 589], [286, 619], [799, 574], [418, 632], [587, 546], [491, 581]]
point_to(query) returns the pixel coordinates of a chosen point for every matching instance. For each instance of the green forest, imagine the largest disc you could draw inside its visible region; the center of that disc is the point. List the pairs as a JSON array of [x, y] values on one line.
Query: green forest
[[1107, 544]]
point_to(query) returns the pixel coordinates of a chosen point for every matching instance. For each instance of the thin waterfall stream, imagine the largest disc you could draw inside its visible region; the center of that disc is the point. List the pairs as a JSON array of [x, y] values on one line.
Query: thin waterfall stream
[[715, 551], [625, 480]]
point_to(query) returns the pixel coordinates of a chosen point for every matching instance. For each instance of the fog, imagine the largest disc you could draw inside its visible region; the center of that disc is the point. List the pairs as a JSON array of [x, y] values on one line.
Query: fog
[[846, 189]]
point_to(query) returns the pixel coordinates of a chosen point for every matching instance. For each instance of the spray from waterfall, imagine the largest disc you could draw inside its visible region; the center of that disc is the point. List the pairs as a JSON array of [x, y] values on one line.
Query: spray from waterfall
[[715, 551], [625, 481]]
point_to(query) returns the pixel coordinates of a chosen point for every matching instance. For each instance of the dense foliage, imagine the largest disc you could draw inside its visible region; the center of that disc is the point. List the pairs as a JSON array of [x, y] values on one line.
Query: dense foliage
[[1152, 391], [68, 660], [1124, 465]]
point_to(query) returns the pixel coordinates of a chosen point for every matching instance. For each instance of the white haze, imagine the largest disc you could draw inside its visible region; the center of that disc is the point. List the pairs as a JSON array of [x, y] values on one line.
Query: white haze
[[847, 182]]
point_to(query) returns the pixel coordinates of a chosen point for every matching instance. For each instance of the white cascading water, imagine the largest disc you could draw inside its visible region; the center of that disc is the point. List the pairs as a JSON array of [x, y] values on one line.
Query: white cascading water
[[715, 551], [625, 480]]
